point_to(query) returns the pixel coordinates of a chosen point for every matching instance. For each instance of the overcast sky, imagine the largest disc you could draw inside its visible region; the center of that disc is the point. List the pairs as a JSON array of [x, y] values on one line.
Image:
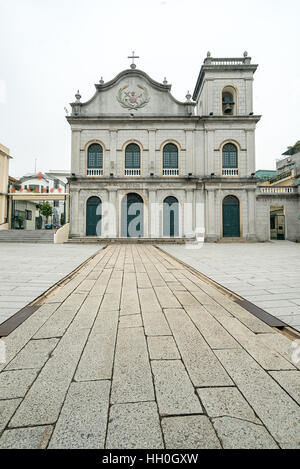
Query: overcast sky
[[51, 48]]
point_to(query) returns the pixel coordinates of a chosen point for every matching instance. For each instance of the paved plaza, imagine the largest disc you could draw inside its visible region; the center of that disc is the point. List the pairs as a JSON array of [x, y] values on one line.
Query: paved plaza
[[266, 274], [137, 351], [28, 270]]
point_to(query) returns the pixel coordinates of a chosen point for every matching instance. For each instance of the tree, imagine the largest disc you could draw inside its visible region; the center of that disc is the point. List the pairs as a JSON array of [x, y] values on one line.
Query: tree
[[46, 210]]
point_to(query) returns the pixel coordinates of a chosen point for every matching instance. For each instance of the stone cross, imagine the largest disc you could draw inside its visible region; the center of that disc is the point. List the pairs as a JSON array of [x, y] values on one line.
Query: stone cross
[[133, 65]]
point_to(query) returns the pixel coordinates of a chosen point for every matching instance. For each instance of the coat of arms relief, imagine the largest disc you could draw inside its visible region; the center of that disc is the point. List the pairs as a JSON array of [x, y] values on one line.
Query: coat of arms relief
[[132, 99]]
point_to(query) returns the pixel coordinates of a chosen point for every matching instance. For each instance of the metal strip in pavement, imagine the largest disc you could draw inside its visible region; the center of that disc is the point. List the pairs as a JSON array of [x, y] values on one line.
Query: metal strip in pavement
[[261, 314], [18, 318], [14, 321]]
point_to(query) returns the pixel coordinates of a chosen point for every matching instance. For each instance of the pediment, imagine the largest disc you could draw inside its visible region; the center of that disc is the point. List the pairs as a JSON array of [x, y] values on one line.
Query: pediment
[[132, 92]]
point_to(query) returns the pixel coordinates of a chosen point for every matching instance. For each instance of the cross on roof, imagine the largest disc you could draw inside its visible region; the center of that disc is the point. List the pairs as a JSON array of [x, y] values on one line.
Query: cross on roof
[[133, 65]]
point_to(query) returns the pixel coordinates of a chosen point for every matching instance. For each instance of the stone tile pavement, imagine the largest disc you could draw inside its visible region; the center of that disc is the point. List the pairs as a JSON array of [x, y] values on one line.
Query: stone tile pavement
[[266, 274], [28, 270], [136, 351]]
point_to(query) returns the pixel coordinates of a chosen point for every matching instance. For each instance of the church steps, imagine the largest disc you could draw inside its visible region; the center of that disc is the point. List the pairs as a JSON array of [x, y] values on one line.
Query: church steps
[[26, 236], [81, 240]]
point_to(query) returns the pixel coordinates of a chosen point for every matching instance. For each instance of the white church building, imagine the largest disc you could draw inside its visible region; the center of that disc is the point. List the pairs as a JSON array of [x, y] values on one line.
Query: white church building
[[145, 165]]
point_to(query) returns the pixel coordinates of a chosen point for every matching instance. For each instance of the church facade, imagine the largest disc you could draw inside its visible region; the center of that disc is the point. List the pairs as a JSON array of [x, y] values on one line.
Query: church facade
[[145, 165]]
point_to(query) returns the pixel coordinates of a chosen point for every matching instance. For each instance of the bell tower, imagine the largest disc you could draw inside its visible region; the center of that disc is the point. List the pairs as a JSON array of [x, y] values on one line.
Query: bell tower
[[224, 86]]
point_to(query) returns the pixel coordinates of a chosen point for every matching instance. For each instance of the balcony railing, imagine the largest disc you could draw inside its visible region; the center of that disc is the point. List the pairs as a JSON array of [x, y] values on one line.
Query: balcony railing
[[277, 190], [171, 172], [230, 172], [94, 172], [228, 61], [132, 172]]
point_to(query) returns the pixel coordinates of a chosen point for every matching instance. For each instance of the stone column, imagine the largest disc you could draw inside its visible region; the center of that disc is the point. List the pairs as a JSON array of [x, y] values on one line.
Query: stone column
[[112, 167], [190, 166], [188, 229], [251, 214], [153, 215], [199, 211], [74, 209], [151, 146], [210, 215], [112, 213], [250, 139], [75, 151]]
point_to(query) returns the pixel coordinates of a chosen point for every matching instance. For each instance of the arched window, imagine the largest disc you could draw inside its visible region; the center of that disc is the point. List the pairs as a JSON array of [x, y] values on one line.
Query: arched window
[[132, 160], [230, 160], [229, 101], [170, 160], [95, 160]]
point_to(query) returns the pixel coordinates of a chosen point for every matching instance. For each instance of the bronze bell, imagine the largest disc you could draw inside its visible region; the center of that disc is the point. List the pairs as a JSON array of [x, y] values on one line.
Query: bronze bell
[[228, 108]]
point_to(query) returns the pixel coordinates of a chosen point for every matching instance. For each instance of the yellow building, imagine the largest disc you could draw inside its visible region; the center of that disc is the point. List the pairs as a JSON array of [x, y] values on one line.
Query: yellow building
[[4, 163]]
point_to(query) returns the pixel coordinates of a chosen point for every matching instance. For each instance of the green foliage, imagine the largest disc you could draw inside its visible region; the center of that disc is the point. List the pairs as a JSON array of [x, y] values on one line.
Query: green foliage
[[46, 210]]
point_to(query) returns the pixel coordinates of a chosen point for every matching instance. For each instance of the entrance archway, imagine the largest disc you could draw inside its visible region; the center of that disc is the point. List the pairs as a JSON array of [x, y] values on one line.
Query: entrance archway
[[132, 216], [231, 217], [93, 216], [170, 217]]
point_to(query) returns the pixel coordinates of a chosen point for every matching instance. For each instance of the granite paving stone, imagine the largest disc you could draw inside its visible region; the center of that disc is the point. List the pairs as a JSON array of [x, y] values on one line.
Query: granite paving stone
[[222, 402], [216, 336], [96, 361], [16, 383], [132, 320], [289, 381], [236, 433], [33, 355], [62, 318], [275, 408], [135, 426], [174, 390], [203, 366], [22, 334], [150, 354], [83, 418], [132, 379], [270, 360], [191, 431], [7, 409], [26, 438], [43, 402], [163, 348]]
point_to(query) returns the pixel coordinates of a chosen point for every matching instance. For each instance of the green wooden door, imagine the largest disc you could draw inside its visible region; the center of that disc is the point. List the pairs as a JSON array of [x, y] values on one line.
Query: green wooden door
[[132, 216], [93, 216], [231, 217], [170, 217]]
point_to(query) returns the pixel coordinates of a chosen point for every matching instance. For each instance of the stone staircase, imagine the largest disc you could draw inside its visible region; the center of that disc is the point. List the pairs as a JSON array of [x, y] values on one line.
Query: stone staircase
[[27, 236]]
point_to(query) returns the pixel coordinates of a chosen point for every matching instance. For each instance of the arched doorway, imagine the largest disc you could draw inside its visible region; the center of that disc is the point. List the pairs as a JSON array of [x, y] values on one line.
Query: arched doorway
[[231, 217], [170, 217], [132, 216], [93, 216]]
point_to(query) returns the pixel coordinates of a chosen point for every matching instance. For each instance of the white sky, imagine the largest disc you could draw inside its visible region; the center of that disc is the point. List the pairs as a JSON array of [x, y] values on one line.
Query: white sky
[[51, 48]]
